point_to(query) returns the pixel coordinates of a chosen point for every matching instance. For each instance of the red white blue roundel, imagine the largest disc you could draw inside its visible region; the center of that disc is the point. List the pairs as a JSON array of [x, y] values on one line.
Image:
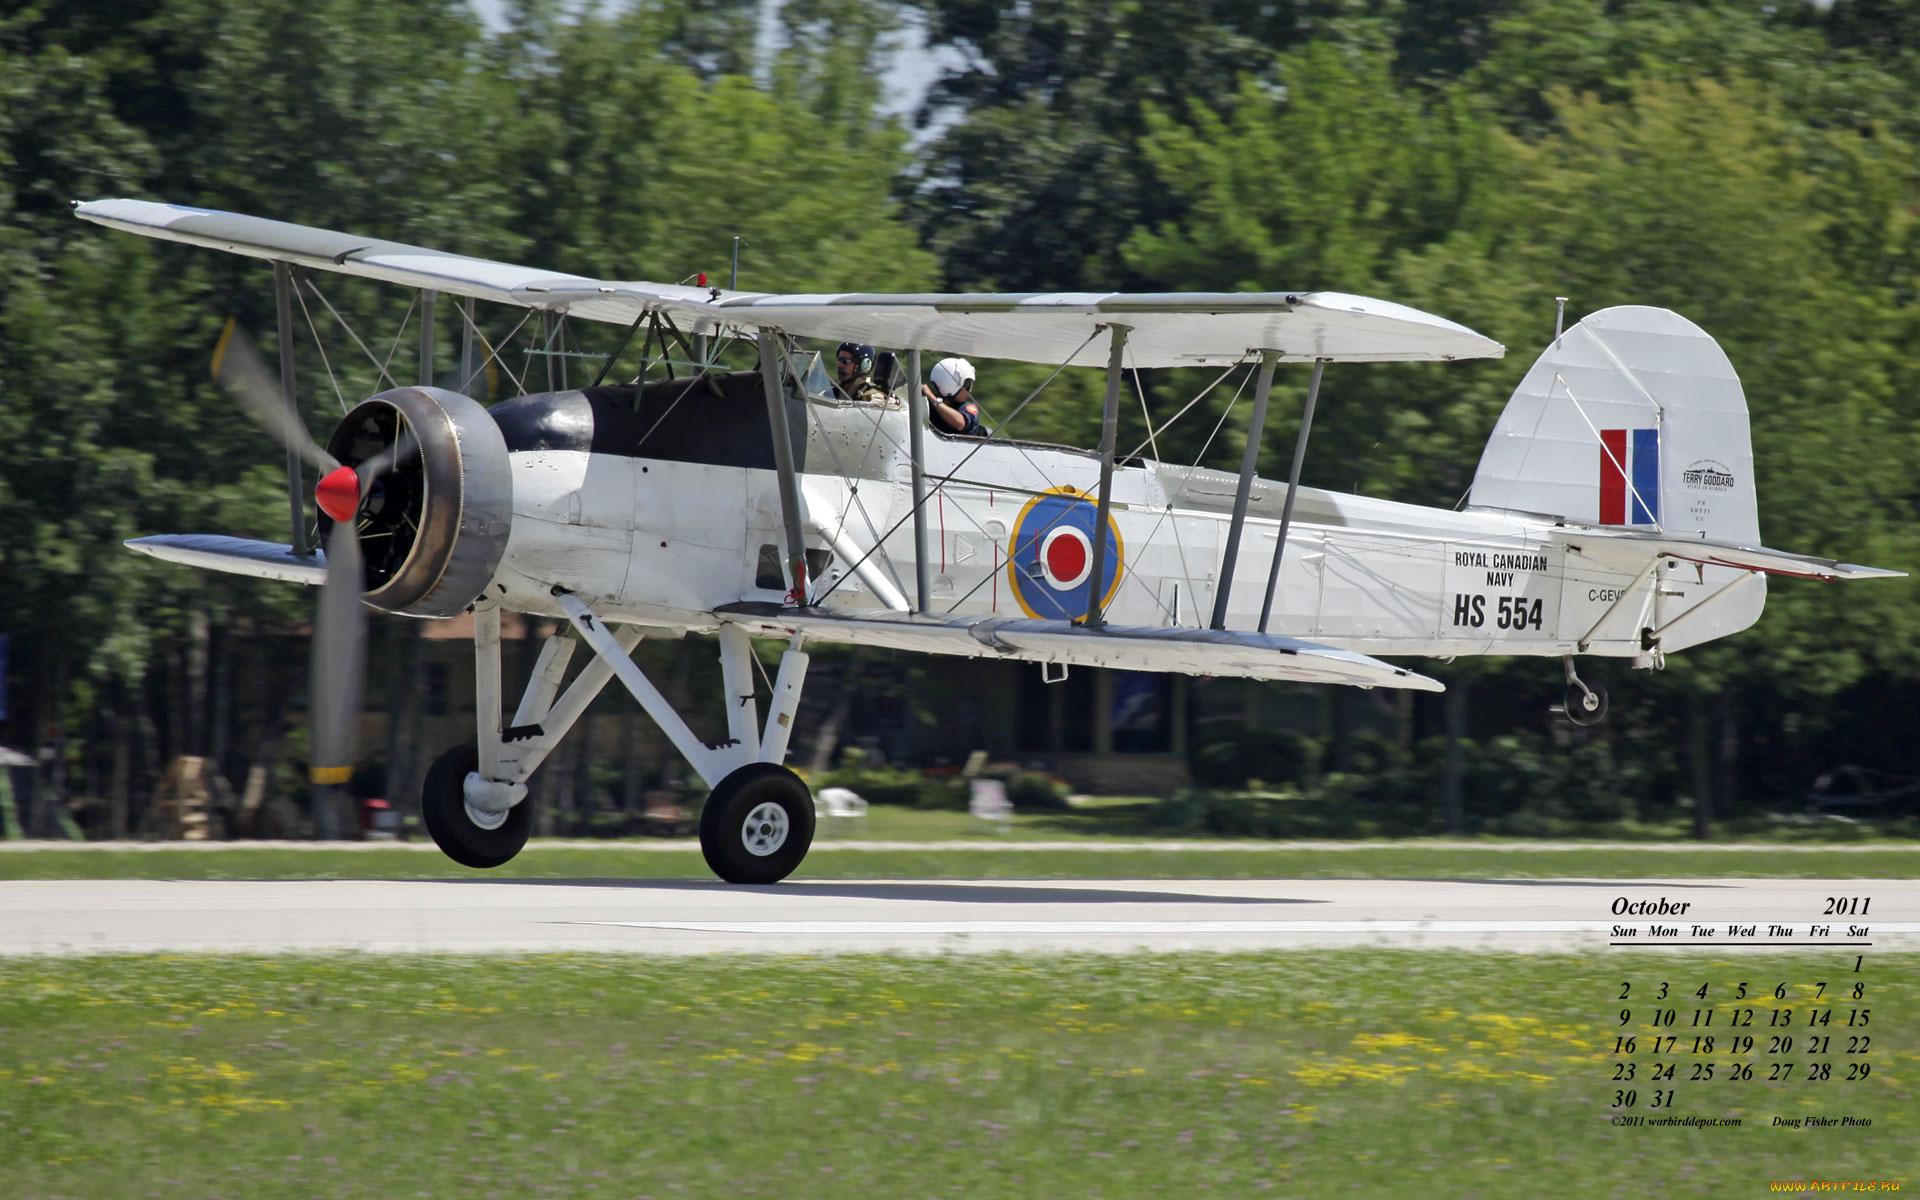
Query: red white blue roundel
[[1052, 562]]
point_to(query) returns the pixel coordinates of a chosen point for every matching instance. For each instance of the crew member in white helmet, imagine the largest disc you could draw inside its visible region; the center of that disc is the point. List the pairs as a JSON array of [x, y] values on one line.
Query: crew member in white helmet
[[950, 398]]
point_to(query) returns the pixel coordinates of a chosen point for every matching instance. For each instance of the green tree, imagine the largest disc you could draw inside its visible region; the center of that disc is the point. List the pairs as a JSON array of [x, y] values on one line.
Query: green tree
[[630, 167], [633, 144], [1790, 241], [1037, 182], [1697, 197], [1335, 184], [1837, 69]]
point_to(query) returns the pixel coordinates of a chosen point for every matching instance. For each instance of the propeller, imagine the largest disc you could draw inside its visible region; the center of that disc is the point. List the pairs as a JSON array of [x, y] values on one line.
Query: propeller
[[338, 666], [338, 671], [238, 367]]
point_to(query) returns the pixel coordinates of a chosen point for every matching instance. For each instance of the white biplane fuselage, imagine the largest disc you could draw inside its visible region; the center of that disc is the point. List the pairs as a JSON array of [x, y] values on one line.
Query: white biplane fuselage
[[664, 543]]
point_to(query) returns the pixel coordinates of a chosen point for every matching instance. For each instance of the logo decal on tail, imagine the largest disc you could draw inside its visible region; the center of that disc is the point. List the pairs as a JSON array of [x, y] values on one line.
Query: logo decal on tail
[[1708, 475], [1629, 454]]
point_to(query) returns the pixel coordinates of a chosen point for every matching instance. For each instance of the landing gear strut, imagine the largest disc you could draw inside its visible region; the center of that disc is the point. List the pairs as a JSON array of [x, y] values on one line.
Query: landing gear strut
[[1586, 703], [758, 822]]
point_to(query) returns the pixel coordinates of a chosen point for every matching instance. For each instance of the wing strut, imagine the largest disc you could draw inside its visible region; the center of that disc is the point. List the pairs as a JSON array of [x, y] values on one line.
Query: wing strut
[[1109, 421], [555, 329], [783, 464], [1255, 424], [917, 418], [429, 302], [1293, 487], [283, 304], [622, 349], [466, 347]]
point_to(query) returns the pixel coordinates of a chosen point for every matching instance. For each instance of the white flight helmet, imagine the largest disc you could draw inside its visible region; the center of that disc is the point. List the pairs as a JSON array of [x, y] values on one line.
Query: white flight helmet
[[950, 375]]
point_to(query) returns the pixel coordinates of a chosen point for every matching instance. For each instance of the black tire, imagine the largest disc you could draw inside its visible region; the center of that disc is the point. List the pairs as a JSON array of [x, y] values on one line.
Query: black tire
[[769, 852], [443, 810], [1584, 709]]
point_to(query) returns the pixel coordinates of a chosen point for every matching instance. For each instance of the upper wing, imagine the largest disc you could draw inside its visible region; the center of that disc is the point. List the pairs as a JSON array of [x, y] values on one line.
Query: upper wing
[[1224, 652], [1169, 329], [349, 254]]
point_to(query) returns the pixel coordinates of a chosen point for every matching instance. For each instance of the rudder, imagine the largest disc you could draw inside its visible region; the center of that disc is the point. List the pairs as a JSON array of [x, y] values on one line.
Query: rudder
[[1633, 417]]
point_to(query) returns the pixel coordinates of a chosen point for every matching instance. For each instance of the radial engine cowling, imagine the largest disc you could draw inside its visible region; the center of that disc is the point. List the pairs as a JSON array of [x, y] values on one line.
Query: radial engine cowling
[[434, 527]]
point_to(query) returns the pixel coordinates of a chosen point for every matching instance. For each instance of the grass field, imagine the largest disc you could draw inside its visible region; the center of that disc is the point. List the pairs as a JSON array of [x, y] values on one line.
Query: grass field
[[1366, 1072], [986, 858]]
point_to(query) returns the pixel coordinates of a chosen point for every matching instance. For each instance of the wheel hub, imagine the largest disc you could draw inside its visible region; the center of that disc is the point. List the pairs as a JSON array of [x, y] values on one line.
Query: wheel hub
[[488, 802], [765, 829], [482, 819]]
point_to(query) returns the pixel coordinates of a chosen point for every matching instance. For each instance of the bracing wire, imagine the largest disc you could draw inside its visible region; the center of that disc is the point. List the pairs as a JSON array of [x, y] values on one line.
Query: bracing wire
[[371, 357], [321, 346], [938, 488]]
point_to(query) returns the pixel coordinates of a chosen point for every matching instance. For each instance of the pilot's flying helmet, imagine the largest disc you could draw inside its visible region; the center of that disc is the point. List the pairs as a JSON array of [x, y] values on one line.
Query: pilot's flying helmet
[[950, 375], [862, 356]]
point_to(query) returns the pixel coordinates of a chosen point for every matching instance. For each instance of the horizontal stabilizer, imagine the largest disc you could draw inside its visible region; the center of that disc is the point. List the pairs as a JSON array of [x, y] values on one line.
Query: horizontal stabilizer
[[1223, 652], [1630, 552], [236, 556]]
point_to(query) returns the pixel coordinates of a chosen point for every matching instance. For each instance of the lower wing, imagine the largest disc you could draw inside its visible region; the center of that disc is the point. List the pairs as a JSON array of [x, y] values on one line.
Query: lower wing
[[235, 556], [1223, 652]]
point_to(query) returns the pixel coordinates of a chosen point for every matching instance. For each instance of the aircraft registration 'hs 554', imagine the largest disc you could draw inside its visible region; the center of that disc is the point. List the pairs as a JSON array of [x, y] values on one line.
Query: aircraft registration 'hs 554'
[[1613, 512]]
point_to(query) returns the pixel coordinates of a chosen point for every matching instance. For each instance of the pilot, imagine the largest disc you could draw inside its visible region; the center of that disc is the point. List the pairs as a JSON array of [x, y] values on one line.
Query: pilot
[[950, 397], [855, 366]]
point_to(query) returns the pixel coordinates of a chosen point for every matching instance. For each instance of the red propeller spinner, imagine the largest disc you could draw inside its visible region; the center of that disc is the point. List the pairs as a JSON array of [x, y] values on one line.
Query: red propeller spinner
[[338, 493]]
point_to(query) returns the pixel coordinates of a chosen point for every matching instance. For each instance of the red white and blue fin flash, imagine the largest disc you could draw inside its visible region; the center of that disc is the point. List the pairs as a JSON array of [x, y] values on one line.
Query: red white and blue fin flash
[[1629, 454]]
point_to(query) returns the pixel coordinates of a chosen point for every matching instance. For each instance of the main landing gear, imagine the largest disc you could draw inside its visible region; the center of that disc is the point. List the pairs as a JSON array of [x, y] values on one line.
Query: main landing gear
[[758, 822], [470, 838], [757, 825], [1586, 703]]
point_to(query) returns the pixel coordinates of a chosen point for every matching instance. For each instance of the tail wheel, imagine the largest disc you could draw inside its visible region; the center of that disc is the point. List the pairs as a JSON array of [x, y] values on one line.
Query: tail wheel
[[443, 809], [757, 824], [1586, 705]]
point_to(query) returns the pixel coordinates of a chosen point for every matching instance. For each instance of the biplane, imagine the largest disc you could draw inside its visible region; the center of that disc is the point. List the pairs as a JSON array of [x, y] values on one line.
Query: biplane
[[1613, 512]]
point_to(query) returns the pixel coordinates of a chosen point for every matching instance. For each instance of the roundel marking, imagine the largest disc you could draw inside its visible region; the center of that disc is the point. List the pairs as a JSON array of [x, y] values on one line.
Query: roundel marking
[[1050, 567], [1066, 556]]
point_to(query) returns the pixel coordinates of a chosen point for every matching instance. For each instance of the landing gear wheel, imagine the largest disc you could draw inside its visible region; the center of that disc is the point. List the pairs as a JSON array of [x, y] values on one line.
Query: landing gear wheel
[[443, 809], [757, 825], [1586, 705]]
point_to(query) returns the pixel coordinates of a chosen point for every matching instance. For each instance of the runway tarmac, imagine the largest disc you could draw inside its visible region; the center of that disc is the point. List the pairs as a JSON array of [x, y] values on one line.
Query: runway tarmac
[[653, 916]]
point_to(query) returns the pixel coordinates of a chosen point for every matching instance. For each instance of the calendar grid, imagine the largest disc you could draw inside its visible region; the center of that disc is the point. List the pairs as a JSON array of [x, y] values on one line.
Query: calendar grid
[[1723, 1038]]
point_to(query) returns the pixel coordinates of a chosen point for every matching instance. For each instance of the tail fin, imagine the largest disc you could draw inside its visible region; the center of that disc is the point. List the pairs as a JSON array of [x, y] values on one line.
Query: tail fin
[[1633, 417]]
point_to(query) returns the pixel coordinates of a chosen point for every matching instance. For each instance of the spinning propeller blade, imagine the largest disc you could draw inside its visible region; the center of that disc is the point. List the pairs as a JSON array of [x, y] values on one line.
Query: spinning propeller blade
[[340, 621], [339, 660], [403, 447], [239, 369]]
